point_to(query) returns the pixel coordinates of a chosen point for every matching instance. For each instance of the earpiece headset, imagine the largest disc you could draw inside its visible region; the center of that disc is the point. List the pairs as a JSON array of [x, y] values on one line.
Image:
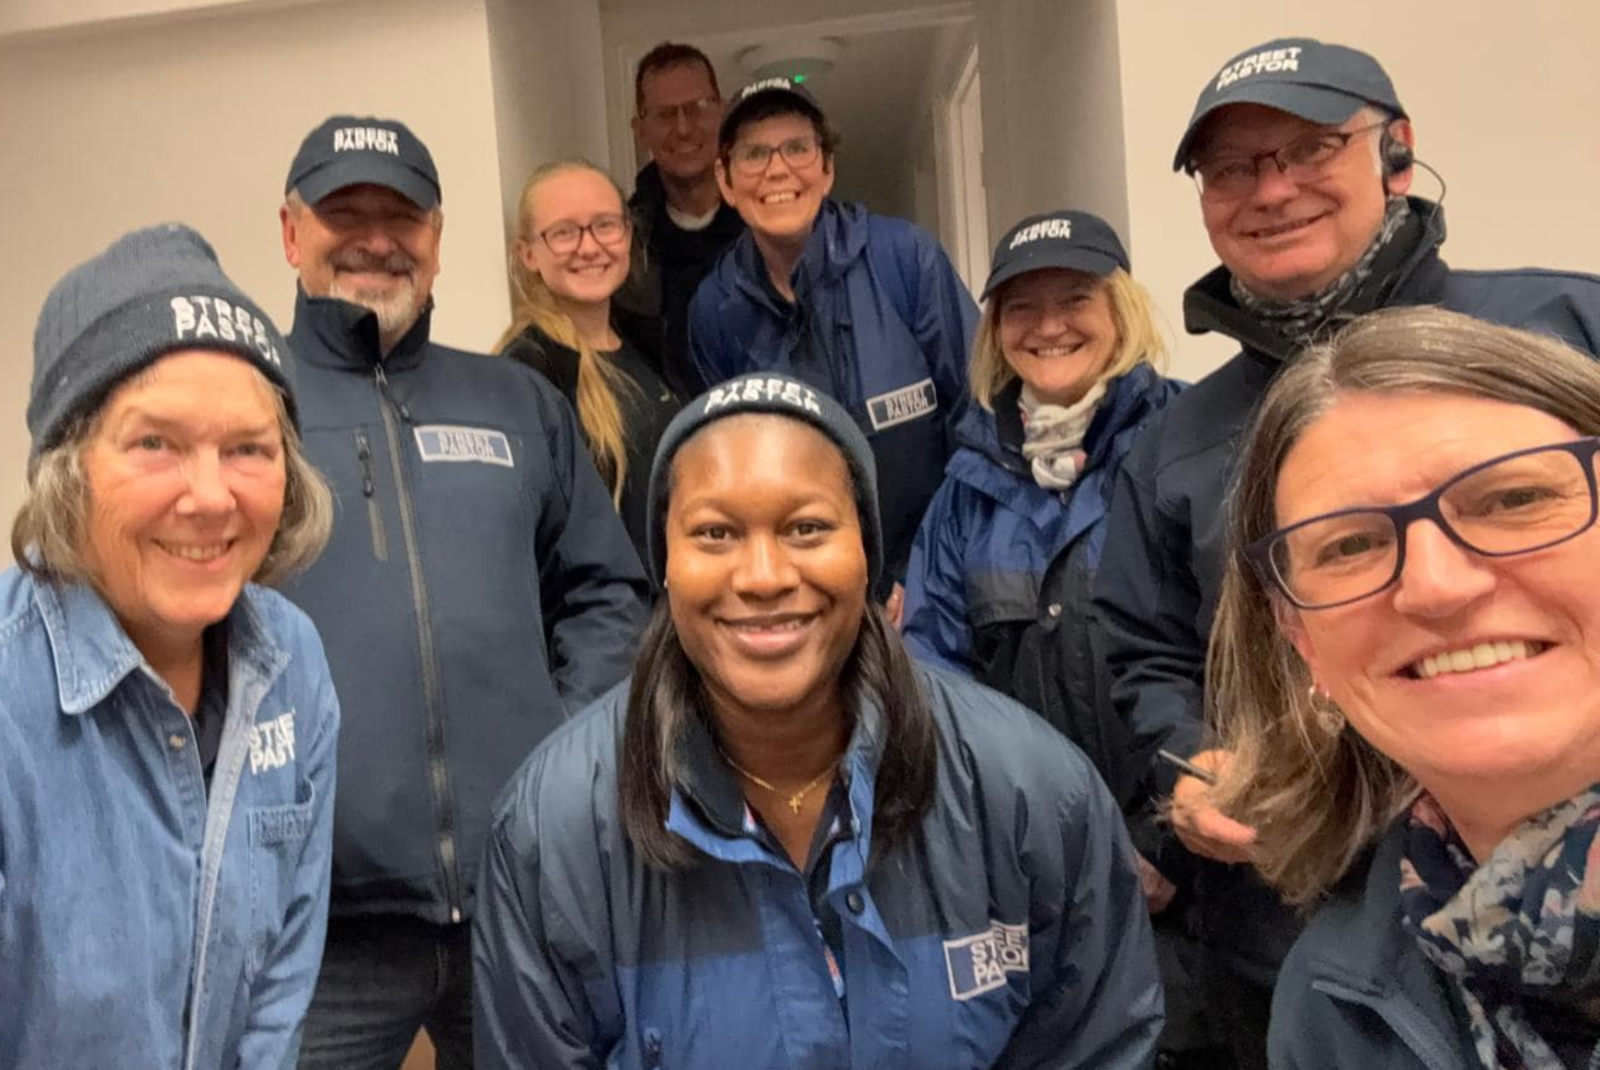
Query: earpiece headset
[[1396, 155]]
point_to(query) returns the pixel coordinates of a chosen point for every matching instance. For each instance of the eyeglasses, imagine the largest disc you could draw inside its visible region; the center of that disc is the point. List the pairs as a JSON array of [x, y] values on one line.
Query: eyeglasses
[[1304, 159], [564, 237], [752, 159], [1524, 501], [695, 111]]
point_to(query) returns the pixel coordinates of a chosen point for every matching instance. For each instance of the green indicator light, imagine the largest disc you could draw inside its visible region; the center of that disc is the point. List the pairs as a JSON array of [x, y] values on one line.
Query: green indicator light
[[799, 78]]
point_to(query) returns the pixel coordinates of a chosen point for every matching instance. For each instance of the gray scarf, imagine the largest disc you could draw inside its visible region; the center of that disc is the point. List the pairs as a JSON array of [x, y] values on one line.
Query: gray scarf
[[1053, 436]]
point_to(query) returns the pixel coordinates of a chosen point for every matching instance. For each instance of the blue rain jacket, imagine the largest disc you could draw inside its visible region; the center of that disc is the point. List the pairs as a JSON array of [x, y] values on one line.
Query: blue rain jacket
[[1010, 932]]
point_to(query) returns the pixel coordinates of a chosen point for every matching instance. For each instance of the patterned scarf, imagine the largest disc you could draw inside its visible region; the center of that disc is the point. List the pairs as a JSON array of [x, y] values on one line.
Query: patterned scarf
[[1300, 320], [1052, 436], [1518, 933]]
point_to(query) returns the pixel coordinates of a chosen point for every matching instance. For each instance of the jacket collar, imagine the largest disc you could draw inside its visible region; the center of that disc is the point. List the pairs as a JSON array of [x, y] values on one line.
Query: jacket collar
[[708, 807], [998, 435], [838, 239], [93, 654], [1367, 950], [348, 334], [1410, 273]]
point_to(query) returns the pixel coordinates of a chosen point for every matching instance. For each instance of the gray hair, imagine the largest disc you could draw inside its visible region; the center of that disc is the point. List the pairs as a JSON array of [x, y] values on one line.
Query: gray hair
[[1314, 790], [47, 534]]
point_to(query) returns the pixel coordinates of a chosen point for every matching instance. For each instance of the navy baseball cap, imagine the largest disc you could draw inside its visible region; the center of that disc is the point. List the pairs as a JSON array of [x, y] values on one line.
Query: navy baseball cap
[[1320, 83], [766, 88], [1078, 241], [349, 151]]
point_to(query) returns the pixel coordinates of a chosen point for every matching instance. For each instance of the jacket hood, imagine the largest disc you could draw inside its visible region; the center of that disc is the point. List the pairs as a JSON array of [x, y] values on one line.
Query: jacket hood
[[838, 239], [1411, 263]]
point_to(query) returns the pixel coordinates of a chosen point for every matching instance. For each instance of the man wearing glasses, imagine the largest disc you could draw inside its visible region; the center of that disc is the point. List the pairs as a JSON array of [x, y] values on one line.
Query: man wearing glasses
[[684, 225], [864, 307], [477, 589], [1302, 155]]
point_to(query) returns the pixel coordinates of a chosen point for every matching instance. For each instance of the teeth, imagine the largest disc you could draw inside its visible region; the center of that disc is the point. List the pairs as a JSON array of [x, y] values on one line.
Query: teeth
[[780, 198], [782, 626], [1273, 232], [1056, 351], [196, 553], [1482, 656]]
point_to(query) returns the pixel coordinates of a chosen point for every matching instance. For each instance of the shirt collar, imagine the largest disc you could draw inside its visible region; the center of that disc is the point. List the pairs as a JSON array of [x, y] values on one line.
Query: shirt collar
[[93, 654]]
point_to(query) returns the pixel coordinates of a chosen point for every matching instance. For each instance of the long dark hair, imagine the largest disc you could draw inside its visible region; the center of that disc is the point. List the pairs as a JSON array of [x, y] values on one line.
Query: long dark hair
[[666, 691]]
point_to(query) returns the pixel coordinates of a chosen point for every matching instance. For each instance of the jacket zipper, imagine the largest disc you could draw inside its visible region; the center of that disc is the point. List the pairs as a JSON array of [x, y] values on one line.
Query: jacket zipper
[[1412, 1029], [438, 770], [380, 541]]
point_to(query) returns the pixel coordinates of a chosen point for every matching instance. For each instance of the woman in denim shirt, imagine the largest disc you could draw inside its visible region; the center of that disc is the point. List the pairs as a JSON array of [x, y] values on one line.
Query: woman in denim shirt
[[167, 729]]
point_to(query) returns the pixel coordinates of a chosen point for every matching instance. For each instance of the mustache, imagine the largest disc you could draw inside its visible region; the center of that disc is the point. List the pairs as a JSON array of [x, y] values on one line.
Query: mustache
[[396, 263]]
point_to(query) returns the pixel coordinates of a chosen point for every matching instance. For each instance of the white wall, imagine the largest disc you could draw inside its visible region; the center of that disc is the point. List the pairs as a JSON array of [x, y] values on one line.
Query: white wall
[[549, 87], [1503, 99], [197, 119], [1052, 109]]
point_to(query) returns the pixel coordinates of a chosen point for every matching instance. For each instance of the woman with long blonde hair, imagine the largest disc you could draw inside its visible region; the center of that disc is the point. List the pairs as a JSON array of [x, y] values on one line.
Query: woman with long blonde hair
[[573, 252]]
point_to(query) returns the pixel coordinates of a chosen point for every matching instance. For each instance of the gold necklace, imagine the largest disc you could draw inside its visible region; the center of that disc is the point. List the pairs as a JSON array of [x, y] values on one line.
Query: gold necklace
[[794, 800]]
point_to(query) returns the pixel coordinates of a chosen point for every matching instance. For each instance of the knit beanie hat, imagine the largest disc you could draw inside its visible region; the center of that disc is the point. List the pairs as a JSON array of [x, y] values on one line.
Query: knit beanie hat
[[151, 292], [778, 395]]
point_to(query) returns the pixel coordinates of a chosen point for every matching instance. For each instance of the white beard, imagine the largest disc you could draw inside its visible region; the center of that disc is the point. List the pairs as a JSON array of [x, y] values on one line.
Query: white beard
[[397, 309]]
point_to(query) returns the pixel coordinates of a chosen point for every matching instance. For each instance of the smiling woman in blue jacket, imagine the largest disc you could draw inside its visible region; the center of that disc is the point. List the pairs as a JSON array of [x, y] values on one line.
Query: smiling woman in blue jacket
[[167, 728], [1405, 694], [863, 307], [783, 845], [1065, 374]]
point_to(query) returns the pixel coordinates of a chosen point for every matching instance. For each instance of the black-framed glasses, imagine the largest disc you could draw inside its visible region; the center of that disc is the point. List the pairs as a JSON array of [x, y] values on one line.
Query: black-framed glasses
[[1228, 176], [751, 158], [1517, 503], [563, 238], [696, 111]]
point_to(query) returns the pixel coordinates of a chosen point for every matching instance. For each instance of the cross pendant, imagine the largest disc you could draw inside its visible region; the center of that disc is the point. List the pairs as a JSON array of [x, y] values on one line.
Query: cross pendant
[[794, 803]]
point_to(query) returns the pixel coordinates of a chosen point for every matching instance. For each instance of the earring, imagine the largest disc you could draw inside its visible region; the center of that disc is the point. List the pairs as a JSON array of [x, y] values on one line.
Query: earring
[[1327, 712]]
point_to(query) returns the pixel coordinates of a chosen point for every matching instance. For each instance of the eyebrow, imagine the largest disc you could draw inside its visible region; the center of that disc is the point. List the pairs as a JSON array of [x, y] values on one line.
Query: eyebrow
[[137, 415]]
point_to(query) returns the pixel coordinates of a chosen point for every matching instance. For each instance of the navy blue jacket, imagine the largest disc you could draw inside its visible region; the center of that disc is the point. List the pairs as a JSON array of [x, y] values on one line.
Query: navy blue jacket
[[999, 581], [880, 322], [1157, 588], [478, 585], [1357, 993], [1010, 932]]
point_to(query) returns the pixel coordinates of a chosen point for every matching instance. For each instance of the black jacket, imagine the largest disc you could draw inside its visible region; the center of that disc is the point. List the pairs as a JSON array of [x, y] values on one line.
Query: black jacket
[[673, 263], [647, 407], [1157, 589], [477, 587]]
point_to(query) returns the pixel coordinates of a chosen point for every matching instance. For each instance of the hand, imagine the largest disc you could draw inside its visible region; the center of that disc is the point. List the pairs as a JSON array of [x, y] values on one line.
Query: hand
[[1158, 891], [1200, 825], [894, 607]]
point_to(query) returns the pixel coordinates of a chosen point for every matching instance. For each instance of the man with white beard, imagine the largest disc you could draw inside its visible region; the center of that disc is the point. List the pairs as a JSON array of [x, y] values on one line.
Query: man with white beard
[[478, 586]]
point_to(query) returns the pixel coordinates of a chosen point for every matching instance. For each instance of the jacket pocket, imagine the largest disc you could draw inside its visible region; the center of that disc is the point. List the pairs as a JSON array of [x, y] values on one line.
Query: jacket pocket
[[277, 834], [380, 538]]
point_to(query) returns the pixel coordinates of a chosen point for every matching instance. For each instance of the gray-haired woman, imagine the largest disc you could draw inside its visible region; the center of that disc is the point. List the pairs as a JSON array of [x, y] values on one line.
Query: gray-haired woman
[[167, 728], [1406, 675]]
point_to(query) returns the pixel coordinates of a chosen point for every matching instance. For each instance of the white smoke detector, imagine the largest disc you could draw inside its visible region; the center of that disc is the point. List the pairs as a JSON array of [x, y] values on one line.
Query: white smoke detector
[[797, 60]]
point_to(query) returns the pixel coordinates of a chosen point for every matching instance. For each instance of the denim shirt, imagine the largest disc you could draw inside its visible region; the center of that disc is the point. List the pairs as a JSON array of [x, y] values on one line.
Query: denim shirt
[[141, 921]]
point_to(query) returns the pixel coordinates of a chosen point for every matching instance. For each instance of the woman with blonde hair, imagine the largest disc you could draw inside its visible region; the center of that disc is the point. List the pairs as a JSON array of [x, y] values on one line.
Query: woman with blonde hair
[[1064, 375], [1405, 680], [573, 252]]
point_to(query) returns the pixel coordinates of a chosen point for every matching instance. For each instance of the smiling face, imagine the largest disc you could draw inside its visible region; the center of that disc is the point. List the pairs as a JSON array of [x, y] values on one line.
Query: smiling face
[[766, 571], [1287, 240], [675, 122], [779, 203], [367, 245], [1057, 332], [1469, 668], [186, 480], [575, 196]]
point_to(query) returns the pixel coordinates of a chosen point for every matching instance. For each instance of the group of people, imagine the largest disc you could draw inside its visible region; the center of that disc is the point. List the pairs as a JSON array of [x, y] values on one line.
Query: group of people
[[765, 660]]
